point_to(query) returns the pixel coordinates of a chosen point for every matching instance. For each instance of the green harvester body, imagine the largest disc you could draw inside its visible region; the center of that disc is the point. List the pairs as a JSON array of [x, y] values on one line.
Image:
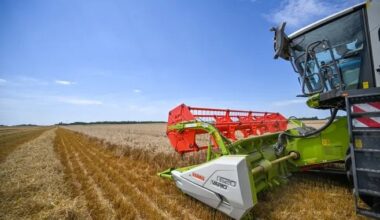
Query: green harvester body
[[327, 147]]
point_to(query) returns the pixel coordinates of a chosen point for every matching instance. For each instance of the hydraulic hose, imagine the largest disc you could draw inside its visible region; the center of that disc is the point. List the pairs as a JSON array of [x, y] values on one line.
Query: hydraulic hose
[[279, 148]]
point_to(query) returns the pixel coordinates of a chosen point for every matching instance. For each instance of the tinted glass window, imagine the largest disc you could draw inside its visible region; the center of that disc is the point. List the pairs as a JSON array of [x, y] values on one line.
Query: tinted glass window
[[343, 41]]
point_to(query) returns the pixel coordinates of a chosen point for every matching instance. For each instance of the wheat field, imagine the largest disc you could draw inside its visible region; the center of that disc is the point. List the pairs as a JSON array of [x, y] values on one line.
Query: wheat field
[[109, 172], [326, 196], [150, 137]]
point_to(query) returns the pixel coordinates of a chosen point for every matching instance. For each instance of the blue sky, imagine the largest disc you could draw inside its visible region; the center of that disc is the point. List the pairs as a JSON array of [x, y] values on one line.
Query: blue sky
[[73, 60]]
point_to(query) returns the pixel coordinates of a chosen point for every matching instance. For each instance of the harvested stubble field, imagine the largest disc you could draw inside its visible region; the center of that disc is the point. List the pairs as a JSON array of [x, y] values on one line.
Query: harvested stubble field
[[109, 172], [123, 187], [32, 182], [305, 197], [11, 137]]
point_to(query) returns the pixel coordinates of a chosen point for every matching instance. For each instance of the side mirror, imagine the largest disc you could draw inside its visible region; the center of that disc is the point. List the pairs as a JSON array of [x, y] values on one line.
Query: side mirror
[[281, 42]]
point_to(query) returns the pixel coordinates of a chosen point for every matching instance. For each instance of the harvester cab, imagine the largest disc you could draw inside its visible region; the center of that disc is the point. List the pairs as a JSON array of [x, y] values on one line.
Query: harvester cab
[[335, 56], [338, 63]]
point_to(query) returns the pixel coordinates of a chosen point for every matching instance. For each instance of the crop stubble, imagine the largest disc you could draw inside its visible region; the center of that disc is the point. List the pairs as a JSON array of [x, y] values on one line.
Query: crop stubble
[[306, 196], [120, 182], [128, 184], [11, 138], [32, 184]]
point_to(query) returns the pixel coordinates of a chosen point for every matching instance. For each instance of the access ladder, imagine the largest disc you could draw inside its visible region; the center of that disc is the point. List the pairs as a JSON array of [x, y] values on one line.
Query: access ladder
[[363, 115]]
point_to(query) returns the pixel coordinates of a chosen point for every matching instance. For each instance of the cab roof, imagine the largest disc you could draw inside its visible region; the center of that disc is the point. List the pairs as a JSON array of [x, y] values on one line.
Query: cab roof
[[326, 20]]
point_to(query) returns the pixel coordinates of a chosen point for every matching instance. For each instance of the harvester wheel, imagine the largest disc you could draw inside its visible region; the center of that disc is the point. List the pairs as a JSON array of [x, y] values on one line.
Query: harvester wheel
[[347, 163]]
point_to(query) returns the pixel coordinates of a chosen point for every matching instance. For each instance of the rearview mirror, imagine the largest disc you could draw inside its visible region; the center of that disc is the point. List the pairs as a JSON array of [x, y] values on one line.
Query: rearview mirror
[[281, 42]]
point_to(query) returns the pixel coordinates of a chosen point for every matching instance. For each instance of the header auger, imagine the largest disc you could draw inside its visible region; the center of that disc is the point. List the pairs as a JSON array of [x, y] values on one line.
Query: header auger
[[228, 122]]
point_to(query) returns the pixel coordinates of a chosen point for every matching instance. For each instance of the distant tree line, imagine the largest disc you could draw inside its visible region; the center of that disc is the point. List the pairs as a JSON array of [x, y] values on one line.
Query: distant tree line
[[110, 122], [308, 118], [19, 125], [316, 118]]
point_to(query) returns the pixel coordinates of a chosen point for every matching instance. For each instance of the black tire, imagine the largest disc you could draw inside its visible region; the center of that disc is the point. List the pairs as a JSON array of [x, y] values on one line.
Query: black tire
[[347, 163]]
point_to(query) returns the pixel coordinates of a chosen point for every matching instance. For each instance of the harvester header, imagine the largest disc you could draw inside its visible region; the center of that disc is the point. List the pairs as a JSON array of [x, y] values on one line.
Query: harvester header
[[227, 121]]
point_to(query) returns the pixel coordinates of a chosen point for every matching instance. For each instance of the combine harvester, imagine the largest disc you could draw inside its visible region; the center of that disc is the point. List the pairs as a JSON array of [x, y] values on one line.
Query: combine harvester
[[337, 60]]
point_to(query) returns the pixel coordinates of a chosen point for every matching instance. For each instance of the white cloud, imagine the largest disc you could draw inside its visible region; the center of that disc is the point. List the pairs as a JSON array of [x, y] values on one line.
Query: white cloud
[[289, 102], [297, 13], [78, 101], [26, 80], [64, 82], [137, 91], [3, 81]]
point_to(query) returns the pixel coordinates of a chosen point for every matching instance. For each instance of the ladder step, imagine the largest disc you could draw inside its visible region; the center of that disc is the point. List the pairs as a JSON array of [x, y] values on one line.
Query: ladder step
[[369, 192], [363, 100], [368, 170], [368, 213], [365, 114], [367, 150], [366, 130], [364, 95]]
